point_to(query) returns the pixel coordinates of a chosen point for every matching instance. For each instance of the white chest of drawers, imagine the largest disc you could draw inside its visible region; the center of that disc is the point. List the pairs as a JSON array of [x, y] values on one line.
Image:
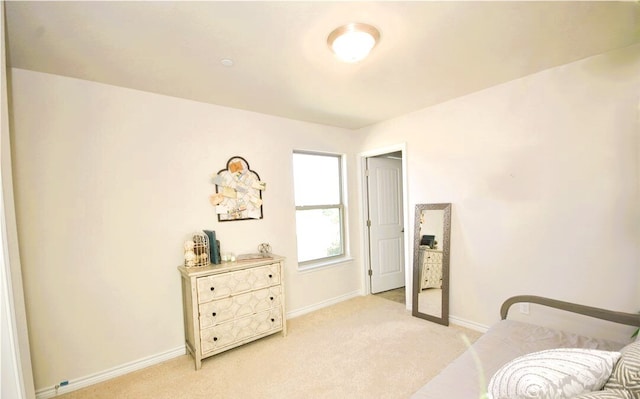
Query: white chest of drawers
[[431, 268], [230, 304]]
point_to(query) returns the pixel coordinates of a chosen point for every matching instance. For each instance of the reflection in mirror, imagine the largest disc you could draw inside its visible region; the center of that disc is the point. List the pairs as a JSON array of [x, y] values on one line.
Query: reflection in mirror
[[431, 262]]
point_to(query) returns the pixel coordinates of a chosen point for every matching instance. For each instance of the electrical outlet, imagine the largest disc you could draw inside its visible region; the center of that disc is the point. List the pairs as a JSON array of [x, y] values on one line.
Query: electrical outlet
[[524, 308]]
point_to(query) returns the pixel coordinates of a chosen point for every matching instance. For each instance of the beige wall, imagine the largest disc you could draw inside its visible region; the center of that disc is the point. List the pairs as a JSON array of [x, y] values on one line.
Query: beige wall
[[17, 378], [542, 173], [110, 181], [543, 176]]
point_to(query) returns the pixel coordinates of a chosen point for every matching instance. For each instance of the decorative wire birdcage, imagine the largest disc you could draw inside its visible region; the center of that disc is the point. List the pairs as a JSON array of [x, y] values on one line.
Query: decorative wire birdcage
[[196, 250]]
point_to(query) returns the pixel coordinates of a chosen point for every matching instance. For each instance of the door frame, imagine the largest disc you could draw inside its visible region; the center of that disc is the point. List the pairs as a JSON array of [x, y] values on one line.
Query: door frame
[[362, 165]]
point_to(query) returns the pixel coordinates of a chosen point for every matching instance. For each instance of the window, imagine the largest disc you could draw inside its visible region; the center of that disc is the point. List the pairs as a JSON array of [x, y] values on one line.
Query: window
[[317, 180]]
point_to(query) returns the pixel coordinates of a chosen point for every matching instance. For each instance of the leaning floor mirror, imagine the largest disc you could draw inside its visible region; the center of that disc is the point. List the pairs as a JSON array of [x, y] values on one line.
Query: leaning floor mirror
[[431, 262]]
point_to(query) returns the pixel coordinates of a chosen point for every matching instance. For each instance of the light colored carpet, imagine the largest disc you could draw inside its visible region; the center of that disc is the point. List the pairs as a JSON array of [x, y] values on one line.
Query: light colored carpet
[[366, 347], [430, 301]]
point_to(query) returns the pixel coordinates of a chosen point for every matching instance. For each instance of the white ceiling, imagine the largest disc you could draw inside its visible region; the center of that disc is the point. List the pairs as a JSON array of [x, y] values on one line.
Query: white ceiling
[[429, 52]]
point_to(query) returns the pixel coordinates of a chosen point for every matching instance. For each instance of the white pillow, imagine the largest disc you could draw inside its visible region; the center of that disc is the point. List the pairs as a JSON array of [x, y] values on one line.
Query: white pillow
[[553, 374]]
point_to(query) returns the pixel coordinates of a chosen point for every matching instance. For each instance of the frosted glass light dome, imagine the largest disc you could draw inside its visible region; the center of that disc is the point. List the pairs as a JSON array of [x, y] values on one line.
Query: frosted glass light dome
[[353, 42]]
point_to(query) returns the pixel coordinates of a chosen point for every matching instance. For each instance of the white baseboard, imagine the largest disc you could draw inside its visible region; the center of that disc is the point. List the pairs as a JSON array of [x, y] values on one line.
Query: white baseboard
[[468, 324], [323, 304], [92, 379], [111, 373]]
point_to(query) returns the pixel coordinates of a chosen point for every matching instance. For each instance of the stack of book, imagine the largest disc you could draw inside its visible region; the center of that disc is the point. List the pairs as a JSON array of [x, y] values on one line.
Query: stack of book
[[214, 247]]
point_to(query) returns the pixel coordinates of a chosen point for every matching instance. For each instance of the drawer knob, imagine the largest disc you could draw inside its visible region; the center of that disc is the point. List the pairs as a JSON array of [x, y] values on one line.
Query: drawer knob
[[272, 320], [271, 298], [215, 339], [213, 314], [213, 288], [271, 276]]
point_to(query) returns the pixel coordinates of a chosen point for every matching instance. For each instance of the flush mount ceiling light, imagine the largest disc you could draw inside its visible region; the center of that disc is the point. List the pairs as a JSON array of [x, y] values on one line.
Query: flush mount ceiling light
[[353, 42]]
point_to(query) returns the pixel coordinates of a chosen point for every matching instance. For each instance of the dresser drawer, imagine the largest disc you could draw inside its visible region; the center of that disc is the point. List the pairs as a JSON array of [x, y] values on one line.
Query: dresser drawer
[[238, 330], [221, 310], [227, 284], [434, 257]]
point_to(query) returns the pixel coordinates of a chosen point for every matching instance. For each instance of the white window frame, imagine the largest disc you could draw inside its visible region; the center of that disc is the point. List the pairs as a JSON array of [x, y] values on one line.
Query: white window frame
[[341, 206]]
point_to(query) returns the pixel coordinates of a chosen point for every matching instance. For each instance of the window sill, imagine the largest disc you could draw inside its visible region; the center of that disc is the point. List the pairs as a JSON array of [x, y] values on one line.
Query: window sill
[[325, 264]]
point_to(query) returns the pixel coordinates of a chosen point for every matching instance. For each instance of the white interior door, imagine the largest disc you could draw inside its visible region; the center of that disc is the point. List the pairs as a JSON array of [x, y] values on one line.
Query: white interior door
[[386, 230]]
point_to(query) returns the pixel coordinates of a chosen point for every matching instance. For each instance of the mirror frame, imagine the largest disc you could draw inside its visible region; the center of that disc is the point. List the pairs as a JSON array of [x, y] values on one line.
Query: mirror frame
[[446, 238]]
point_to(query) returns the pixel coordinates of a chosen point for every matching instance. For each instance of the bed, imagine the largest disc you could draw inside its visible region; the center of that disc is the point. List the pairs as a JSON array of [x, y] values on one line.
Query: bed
[[506, 361]]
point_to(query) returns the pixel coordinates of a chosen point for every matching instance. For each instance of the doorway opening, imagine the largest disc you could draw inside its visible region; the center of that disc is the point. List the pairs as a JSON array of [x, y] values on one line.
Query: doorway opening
[[387, 271], [396, 295]]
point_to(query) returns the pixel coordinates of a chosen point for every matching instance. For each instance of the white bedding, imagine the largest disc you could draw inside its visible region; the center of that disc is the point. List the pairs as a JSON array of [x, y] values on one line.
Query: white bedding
[[466, 377]]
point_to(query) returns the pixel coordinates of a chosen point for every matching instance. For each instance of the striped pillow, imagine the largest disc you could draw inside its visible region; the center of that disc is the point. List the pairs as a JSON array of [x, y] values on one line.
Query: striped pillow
[[606, 394], [626, 373], [555, 373]]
